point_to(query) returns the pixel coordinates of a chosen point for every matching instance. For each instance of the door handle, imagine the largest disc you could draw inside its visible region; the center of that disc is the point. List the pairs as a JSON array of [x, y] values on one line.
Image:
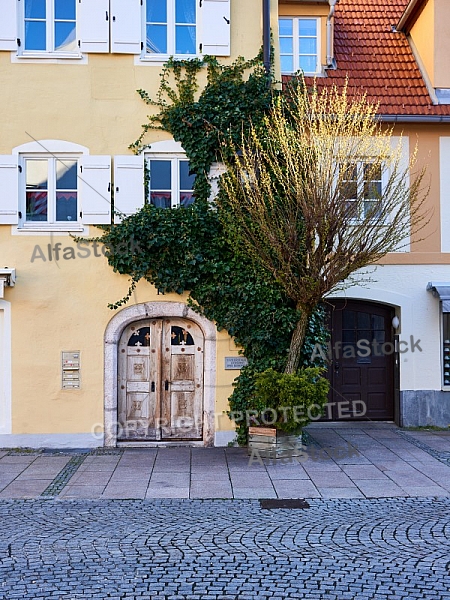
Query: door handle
[[152, 386], [336, 367], [166, 385]]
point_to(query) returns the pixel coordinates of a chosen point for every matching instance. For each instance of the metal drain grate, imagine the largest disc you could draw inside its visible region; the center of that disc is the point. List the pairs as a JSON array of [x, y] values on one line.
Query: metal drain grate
[[283, 503]]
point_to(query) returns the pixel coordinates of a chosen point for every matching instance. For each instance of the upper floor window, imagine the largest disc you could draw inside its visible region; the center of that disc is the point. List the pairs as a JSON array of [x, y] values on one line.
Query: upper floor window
[[171, 183], [49, 26], [171, 27], [362, 189], [152, 30], [299, 45]]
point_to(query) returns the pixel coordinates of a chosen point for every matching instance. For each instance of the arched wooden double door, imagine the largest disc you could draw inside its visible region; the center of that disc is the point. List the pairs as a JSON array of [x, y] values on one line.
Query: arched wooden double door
[[160, 395]]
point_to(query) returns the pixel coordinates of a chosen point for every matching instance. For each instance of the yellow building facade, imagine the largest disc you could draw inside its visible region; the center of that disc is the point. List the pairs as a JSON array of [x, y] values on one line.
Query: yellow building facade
[[69, 73], [69, 366]]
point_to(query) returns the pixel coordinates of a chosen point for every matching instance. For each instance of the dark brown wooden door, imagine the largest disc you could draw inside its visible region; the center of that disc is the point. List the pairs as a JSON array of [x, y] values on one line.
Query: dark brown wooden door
[[362, 356]]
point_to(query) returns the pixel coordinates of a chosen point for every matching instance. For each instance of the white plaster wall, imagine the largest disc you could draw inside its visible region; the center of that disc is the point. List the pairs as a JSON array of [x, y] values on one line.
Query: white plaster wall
[[51, 440], [5, 367], [444, 170], [404, 287]]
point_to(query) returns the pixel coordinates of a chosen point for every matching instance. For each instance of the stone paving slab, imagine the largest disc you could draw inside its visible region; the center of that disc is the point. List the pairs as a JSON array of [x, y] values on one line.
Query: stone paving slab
[[27, 488], [373, 461], [438, 440], [335, 492], [206, 489]]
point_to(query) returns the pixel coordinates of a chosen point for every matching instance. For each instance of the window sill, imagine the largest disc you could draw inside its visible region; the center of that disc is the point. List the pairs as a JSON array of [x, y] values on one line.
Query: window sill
[[160, 59], [49, 57], [44, 230], [292, 74]]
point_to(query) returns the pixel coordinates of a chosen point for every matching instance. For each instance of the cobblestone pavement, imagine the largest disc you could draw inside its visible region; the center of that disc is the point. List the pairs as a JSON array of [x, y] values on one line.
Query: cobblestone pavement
[[224, 550]]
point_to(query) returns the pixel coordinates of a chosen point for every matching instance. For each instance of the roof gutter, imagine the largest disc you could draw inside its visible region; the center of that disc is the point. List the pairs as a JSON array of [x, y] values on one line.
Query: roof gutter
[[266, 35], [414, 118], [409, 10], [330, 57]]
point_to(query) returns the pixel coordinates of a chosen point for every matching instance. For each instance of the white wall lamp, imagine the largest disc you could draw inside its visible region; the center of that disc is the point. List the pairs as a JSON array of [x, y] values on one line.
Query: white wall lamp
[[7, 277]]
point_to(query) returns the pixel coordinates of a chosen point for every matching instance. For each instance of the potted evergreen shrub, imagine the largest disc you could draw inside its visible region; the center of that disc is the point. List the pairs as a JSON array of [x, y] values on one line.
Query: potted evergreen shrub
[[282, 405]]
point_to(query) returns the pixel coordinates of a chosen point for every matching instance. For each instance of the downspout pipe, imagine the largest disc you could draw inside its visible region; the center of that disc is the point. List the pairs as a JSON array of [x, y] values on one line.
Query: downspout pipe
[[266, 35], [330, 57]]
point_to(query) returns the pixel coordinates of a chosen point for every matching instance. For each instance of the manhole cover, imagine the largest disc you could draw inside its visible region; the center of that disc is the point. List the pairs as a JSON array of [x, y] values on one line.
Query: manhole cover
[[283, 503]]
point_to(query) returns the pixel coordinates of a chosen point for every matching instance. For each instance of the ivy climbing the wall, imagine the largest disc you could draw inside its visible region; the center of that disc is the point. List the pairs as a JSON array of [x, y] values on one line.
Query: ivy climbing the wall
[[186, 248]]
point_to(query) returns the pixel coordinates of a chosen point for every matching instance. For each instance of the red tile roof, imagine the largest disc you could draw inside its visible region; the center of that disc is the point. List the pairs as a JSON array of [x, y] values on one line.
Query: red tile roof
[[378, 59]]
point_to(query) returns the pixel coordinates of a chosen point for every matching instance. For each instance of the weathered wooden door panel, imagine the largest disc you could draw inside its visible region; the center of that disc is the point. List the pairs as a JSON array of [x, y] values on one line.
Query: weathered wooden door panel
[[137, 398], [161, 381], [182, 368]]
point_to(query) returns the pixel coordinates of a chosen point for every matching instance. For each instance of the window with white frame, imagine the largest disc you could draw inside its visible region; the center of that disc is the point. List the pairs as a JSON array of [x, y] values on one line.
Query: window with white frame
[[55, 185], [171, 183], [171, 27], [51, 191], [49, 26], [299, 44], [361, 189], [152, 30]]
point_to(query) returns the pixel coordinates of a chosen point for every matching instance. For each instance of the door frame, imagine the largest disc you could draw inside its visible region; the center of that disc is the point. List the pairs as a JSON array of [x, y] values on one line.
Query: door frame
[[404, 310], [154, 310]]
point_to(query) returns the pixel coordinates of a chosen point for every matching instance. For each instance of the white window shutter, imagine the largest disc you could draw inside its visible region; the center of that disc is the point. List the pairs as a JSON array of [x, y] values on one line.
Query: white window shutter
[[128, 185], [9, 190], [215, 33], [95, 189], [93, 25], [8, 25], [215, 172], [126, 26]]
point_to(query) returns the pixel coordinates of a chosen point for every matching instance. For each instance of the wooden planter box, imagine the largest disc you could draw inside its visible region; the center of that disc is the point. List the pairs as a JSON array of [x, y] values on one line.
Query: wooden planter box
[[273, 443]]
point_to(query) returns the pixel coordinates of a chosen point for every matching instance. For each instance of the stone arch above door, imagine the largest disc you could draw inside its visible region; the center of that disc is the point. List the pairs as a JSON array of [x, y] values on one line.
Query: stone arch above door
[[144, 311]]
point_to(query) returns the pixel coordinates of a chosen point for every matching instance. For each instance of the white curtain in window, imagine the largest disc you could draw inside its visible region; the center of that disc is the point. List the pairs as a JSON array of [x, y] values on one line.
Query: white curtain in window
[[185, 13]]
